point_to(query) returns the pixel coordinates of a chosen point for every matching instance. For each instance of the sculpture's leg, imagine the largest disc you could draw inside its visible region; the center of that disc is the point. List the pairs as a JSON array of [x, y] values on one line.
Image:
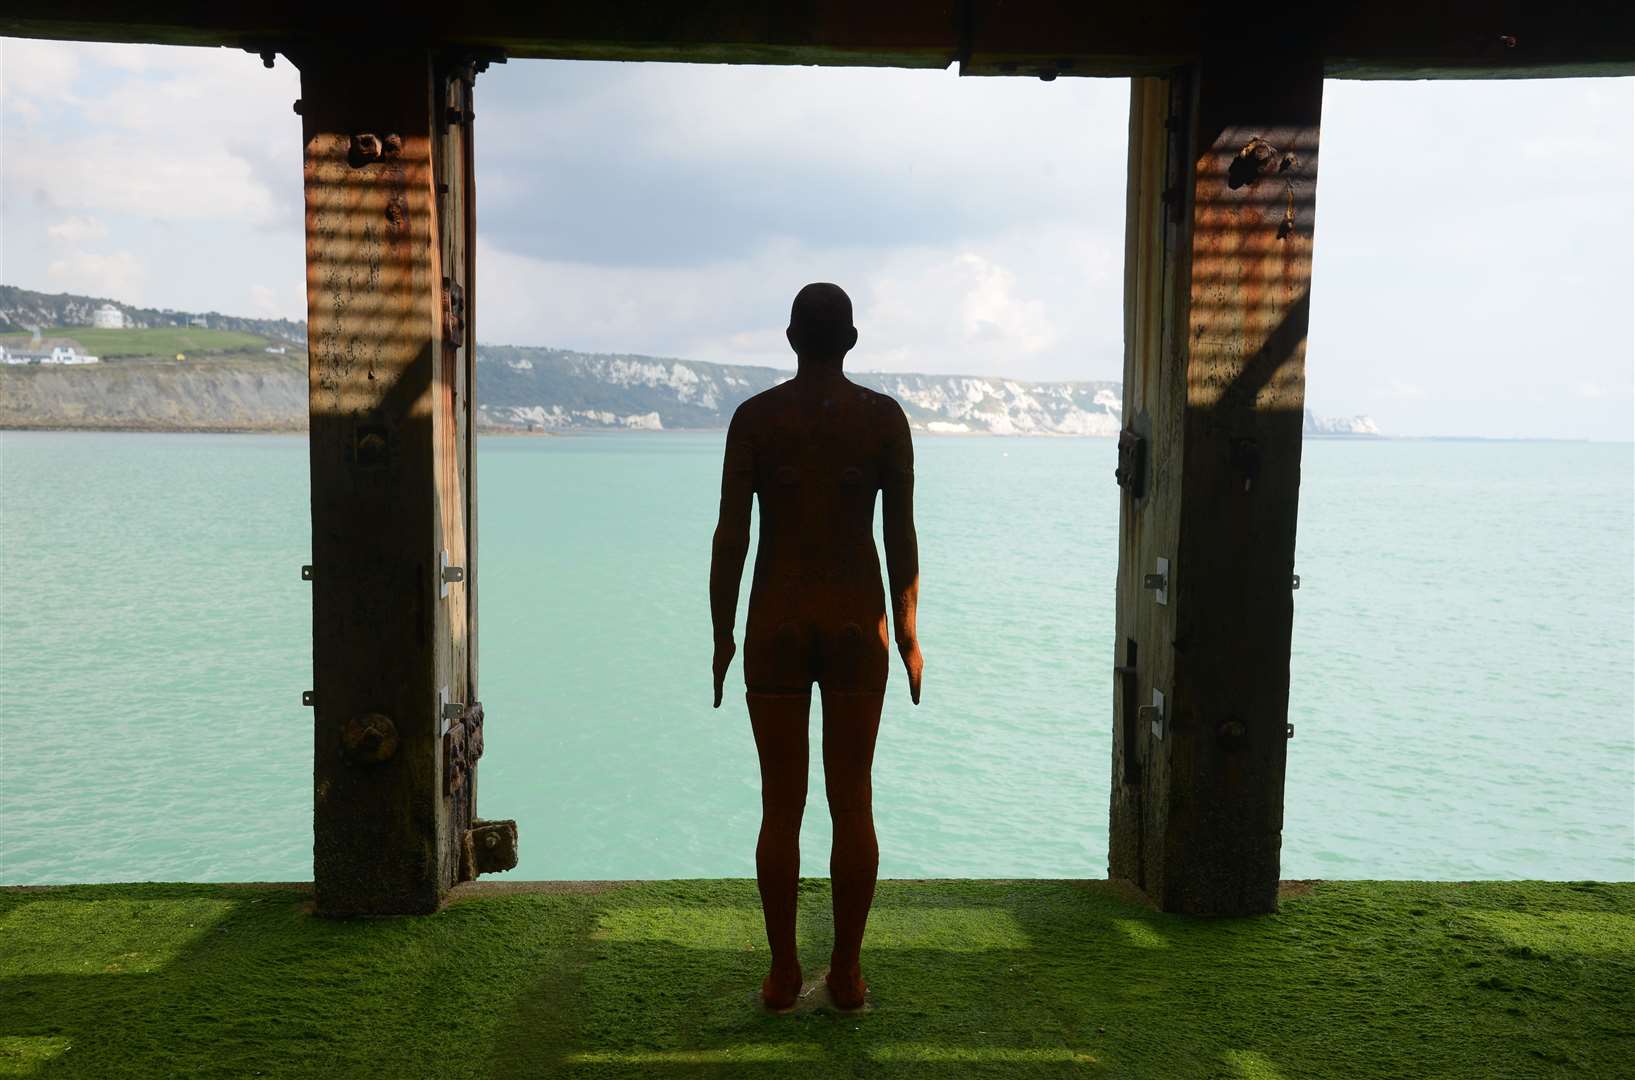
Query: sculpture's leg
[[851, 720], [780, 722]]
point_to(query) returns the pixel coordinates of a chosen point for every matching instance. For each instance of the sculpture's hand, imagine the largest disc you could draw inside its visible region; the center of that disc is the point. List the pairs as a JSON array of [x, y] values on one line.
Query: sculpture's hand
[[913, 663], [724, 650]]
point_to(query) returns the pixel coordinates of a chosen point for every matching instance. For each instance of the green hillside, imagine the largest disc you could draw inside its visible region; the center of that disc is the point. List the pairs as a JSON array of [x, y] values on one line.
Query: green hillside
[[156, 341]]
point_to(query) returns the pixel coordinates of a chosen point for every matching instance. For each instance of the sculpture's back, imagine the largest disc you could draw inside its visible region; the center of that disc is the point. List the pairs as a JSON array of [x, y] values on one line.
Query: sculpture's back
[[814, 452]]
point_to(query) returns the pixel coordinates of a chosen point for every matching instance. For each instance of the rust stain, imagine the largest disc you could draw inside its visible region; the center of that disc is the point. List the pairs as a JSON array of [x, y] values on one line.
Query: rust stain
[[1251, 261]]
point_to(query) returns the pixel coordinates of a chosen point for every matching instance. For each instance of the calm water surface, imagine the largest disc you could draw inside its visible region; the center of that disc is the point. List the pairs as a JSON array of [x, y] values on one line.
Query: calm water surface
[[1463, 670]]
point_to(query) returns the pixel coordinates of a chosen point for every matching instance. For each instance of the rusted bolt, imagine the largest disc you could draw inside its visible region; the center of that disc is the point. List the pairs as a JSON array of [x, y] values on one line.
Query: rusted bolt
[[1255, 159], [396, 214], [491, 840], [393, 146], [369, 450], [1508, 40], [369, 739], [365, 148], [267, 58]]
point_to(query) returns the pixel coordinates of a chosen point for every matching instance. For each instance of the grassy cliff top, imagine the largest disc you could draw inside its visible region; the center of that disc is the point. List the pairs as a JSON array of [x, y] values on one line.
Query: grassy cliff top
[[657, 979], [164, 341]]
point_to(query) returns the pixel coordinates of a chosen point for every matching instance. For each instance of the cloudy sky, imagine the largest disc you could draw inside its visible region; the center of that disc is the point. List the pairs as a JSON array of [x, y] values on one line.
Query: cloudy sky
[[1475, 264]]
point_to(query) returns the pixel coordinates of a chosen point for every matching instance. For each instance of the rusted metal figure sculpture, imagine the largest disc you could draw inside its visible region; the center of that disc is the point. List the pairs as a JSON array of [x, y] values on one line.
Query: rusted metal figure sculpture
[[815, 450]]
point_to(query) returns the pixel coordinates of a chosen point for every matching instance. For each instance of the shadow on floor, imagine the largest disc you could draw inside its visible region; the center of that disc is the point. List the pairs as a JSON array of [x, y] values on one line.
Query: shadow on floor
[[968, 978]]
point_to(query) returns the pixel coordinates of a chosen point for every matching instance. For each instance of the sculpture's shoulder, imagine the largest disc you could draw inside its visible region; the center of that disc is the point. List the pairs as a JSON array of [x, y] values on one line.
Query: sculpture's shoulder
[[885, 412], [755, 411]]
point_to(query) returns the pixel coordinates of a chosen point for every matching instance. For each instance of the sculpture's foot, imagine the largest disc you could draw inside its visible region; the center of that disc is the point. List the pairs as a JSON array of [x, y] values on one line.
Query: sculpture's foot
[[780, 990], [846, 988]]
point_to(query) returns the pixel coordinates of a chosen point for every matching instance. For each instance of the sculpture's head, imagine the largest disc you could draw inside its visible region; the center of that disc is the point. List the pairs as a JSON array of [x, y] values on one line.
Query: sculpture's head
[[820, 323]]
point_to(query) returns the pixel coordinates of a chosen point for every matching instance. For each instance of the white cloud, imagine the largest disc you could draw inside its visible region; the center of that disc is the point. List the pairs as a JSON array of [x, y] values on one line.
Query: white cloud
[[124, 175], [930, 309], [993, 313], [119, 275], [1471, 292], [32, 72], [76, 230], [264, 301], [167, 134]]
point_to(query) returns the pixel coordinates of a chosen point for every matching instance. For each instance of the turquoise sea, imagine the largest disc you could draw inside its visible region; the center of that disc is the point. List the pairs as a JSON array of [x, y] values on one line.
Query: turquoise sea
[[1463, 671]]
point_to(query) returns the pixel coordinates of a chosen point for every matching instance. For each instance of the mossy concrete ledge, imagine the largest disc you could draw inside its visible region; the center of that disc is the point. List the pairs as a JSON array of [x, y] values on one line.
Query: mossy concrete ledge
[[657, 979]]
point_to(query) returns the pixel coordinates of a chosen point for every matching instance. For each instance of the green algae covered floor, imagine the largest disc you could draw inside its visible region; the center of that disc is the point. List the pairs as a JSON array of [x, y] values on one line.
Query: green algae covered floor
[[1026, 978]]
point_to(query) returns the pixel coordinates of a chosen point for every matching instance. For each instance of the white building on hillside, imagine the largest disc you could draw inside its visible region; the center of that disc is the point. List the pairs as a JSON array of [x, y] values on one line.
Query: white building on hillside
[[108, 317], [67, 354]]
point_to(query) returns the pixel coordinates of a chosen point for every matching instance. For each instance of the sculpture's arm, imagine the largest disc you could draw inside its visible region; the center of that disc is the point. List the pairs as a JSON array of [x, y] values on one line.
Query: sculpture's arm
[[902, 547], [731, 545]]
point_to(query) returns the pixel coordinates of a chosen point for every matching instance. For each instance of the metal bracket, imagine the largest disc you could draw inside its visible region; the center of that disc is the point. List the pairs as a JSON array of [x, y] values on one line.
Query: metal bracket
[[462, 746], [1131, 473], [1159, 582], [447, 711], [447, 573], [1154, 713], [454, 314], [488, 847]]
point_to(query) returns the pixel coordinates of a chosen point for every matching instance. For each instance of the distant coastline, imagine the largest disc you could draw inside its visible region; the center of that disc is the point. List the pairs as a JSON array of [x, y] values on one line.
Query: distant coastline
[[524, 433], [169, 371]]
